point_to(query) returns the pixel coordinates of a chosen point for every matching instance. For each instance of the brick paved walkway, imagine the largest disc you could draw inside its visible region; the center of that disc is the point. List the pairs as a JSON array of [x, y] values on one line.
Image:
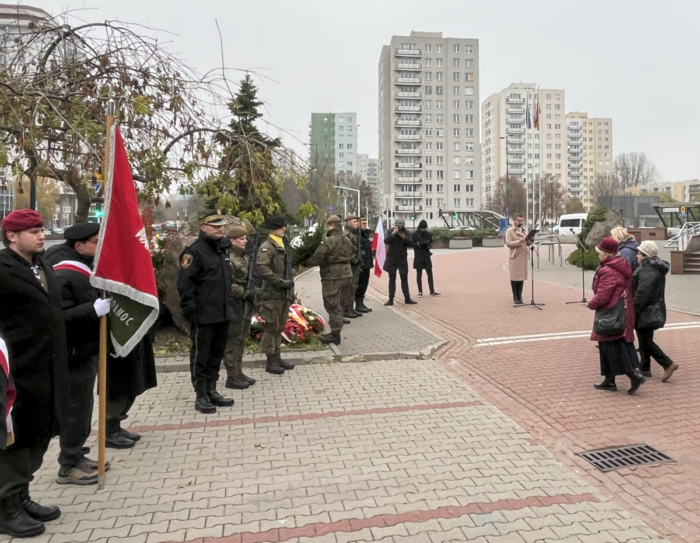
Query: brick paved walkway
[[545, 384], [392, 451]]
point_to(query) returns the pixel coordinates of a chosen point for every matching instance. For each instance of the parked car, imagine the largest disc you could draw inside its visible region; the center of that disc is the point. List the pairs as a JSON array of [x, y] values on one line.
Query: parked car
[[57, 231], [568, 222]]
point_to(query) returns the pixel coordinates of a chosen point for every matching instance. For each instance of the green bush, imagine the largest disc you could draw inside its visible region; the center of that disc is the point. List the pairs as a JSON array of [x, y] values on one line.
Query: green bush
[[590, 259], [443, 234]]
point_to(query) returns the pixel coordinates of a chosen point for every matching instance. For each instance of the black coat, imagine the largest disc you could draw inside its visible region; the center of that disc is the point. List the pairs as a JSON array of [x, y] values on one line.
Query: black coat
[[82, 322], [649, 285], [204, 281], [134, 374], [423, 242], [367, 260], [397, 252], [31, 323]]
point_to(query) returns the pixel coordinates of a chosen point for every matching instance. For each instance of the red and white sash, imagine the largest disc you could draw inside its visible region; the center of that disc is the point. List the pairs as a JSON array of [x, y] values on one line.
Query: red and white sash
[[75, 266], [11, 392]]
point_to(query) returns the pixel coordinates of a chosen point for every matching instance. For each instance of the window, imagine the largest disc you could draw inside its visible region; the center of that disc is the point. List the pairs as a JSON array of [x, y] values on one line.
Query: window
[[456, 202], [438, 104], [350, 163], [340, 128], [468, 146], [469, 132], [456, 160], [455, 77], [549, 97], [429, 188], [469, 63], [340, 146], [455, 118], [558, 156], [455, 145], [557, 166], [429, 174], [455, 104], [469, 91], [468, 159], [549, 116], [428, 118], [439, 132], [438, 76], [429, 132], [438, 48], [455, 63], [349, 145], [557, 106], [439, 146], [429, 146], [428, 159], [440, 160], [455, 133], [557, 127], [428, 76], [440, 188], [428, 48], [438, 62], [557, 145], [456, 90], [428, 104], [440, 118], [469, 188], [548, 106], [469, 104], [469, 49], [469, 118], [469, 174], [469, 76], [455, 48], [557, 117], [440, 175], [438, 91], [428, 61], [469, 202], [429, 202]]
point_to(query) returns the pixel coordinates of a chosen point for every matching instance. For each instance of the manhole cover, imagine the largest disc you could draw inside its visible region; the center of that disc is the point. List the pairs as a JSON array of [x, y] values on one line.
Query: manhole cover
[[614, 458]]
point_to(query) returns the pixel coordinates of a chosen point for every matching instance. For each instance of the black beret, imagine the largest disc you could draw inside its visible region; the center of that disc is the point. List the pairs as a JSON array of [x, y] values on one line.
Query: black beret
[[81, 231], [274, 222]]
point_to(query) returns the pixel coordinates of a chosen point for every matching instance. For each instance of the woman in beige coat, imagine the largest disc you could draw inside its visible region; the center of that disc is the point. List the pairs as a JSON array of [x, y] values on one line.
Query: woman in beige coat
[[517, 242]]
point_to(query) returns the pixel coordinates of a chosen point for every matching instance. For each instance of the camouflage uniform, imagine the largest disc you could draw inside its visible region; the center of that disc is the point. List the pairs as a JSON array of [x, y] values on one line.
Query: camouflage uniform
[[334, 256], [239, 328], [349, 293], [274, 308]]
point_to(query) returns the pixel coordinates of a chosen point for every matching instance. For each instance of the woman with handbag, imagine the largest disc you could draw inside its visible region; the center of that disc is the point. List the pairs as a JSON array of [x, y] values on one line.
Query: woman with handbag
[[648, 286], [613, 327]]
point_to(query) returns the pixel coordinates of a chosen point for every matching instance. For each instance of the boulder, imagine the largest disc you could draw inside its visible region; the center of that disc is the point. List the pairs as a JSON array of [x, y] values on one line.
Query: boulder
[[167, 278], [601, 229]]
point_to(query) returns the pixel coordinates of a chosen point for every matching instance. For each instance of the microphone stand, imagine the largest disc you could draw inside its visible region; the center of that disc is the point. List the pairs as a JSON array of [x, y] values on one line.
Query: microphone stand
[[583, 271], [532, 282]]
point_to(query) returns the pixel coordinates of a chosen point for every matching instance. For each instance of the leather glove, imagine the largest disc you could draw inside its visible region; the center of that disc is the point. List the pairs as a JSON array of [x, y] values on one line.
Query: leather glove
[[288, 284], [102, 306]]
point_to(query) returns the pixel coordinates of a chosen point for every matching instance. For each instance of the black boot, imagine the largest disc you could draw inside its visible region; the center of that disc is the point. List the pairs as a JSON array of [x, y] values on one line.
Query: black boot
[[250, 380], [348, 315], [128, 435], [390, 301], [409, 301], [636, 380], [332, 337], [520, 292], [514, 289], [237, 383], [203, 403], [284, 365], [15, 521], [360, 306], [36, 511], [215, 398], [114, 440], [607, 384], [273, 366]]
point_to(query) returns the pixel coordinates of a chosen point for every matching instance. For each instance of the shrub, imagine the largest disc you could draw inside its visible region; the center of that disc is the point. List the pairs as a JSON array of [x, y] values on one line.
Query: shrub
[[590, 259]]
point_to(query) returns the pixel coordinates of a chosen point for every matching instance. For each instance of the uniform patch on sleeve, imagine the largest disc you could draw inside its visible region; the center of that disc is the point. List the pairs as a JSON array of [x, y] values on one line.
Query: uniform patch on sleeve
[[186, 261], [264, 249]]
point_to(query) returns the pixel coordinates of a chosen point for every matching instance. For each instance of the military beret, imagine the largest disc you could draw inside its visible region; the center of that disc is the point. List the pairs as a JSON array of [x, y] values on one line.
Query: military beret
[[333, 218], [212, 219], [20, 220], [274, 222], [363, 219], [236, 232], [350, 217], [81, 231]]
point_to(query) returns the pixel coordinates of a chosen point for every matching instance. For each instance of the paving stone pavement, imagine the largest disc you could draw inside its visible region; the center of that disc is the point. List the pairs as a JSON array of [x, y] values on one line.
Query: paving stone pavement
[[381, 331], [394, 451]]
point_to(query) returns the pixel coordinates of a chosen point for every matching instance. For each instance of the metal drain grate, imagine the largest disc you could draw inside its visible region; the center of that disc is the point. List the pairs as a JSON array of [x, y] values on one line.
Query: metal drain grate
[[614, 458]]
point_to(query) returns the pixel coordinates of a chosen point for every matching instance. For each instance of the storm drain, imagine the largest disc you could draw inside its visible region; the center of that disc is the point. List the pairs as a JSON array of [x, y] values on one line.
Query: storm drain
[[614, 458]]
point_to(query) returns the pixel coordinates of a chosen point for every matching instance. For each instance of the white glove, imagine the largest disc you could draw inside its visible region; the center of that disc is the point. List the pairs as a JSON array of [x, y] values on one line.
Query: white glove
[[102, 306]]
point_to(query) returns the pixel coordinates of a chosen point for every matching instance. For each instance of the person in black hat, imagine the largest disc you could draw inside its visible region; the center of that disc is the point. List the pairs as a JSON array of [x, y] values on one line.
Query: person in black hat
[[366, 266], [82, 308], [277, 292], [204, 283], [423, 242], [397, 242]]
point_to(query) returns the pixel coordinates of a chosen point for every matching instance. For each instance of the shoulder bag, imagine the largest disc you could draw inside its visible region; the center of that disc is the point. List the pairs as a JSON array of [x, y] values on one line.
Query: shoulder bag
[[611, 321], [652, 316]]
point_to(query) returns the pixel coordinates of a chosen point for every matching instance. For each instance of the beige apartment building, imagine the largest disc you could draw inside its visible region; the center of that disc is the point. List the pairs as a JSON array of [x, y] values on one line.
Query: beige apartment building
[[590, 153], [513, 146], [429, 156]]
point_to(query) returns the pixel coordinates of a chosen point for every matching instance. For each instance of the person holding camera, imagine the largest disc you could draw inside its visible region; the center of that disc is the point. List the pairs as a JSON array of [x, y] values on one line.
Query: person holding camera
[[397, 242], [423, 242]]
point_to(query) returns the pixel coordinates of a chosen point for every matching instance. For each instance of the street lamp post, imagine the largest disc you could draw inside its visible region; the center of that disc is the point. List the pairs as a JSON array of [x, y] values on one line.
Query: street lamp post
[[346, 201]]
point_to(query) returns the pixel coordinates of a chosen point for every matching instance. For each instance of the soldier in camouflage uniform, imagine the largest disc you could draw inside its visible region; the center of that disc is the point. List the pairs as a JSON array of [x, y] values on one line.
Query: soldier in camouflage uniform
[[239, 326], [335, 255], [352, 230], [274, 308]]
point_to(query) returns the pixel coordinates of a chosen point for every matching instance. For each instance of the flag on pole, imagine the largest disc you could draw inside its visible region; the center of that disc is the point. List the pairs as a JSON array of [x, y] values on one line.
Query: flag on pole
[[379, 248], [527, 115], [7, 397], [537, 112], [123, 264]]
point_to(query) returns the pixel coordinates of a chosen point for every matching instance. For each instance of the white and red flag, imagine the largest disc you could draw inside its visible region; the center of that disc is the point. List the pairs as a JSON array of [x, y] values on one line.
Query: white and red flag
[[379, 248], [123, 265], [7, 393]]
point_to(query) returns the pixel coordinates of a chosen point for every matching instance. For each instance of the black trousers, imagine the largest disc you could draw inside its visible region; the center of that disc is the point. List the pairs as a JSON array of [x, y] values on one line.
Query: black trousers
[[404, 285], [207, 352], [362, 284], [118, 408], [517, 288], [419, 279], [648, 349], [18, 466], [75, 433]]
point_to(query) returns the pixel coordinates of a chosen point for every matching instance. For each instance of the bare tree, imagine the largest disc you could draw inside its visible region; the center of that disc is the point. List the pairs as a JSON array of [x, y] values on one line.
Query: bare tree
[[605, 185], [508, 197], [574, 205], [554, 197], [635, 169], [355, 181]]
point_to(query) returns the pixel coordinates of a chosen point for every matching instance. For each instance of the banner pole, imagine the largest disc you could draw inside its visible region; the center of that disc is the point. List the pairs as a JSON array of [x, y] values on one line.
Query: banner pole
[[102, 371]]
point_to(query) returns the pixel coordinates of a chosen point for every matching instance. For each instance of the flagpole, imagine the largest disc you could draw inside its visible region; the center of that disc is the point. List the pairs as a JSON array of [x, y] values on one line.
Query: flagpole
[[102, 372]]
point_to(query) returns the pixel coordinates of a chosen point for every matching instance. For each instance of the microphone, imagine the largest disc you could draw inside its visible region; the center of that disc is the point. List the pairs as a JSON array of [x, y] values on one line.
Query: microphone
[[572, 231]]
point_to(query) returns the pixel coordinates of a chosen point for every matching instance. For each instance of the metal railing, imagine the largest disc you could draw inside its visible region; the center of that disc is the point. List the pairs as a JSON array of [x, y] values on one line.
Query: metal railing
[[553, 245], [680, 241]]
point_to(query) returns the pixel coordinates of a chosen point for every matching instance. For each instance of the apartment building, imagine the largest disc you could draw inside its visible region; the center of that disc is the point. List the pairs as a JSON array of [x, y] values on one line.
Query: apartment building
[[590, 149], [429, 156], [333, 142], [513, 146], [367, 169], [681, 191]]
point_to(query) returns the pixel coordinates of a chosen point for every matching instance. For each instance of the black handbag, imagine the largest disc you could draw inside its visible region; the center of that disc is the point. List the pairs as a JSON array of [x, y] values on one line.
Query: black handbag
[[652, 316], [611, 321]]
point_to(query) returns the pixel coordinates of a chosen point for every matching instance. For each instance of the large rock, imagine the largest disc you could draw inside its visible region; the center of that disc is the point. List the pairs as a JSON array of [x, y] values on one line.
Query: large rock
[[601, 229], [168, 277]]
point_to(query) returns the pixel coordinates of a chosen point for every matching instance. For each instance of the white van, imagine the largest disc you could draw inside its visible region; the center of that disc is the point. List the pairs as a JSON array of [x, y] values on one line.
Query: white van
[[568, 222]]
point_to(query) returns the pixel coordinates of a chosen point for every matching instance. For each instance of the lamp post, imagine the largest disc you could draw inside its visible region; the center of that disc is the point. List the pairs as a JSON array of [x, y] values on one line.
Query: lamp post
[[346, 201]]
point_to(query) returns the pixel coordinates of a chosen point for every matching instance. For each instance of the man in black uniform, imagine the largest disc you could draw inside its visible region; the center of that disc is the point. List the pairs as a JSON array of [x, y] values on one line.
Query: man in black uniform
[[82, 308], [204, 284], [397, 243], [366, 268]]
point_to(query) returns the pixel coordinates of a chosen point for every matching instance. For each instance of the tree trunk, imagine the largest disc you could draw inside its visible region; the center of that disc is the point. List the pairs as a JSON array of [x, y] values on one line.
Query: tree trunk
[[81, 193]]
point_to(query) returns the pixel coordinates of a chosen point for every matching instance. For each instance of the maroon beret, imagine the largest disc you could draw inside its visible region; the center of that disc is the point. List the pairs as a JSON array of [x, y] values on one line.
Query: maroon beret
[[21, 219], [608, 245]]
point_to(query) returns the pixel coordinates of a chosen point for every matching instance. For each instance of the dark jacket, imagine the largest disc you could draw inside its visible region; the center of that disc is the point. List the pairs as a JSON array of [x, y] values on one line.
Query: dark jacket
[[612, 280], [334, 256], [31, 323], [628, 251], [82, 323], [367, 260], [204, 281], [423, 242], [397, 252], [270, 268], [133, 374], [649, 285]]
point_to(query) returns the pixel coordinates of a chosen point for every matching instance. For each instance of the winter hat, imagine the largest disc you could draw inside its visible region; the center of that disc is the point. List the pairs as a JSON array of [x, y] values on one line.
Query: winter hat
[[648, 248], [422, 224], [236, 232], [607, 245], [274, 222]]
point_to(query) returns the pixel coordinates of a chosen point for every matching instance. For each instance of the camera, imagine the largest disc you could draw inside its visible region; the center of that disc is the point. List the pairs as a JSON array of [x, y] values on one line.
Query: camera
[[402, 229]]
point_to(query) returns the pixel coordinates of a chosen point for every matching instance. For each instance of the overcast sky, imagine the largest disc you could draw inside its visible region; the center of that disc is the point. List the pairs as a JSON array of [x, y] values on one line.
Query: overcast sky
[[636, 61]]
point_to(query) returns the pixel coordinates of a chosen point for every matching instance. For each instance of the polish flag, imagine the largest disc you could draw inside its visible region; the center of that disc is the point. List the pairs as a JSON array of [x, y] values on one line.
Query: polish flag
[[379, 248]]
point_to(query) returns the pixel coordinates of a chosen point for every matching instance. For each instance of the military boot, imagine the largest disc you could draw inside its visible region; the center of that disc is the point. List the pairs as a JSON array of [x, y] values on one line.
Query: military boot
[[350, 314], [15, 521], [360, 306], [215, 398], [113, 439], [36, 511], [284, 365], [203, 403], [237, 383], [332, 337], [273, 366]]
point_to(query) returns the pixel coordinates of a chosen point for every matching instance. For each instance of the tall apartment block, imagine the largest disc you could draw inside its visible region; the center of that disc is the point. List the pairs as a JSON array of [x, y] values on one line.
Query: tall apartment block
[[367, 169], [429, 157], [590, 153], [511, 147], [333, 141]]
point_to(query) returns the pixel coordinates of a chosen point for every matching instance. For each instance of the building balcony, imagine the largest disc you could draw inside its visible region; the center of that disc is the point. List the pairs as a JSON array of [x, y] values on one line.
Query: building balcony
[[514, 119], [409, 80], [574, 186], [408, 180], [574, 136], [409, 108], [408, 151], [407, 122], [408, 66], [408, 208], [511, 100], [408, 194], [574, 158], [407, 52], [408, 165], [516, 150], [512, 171], [408, 137], [515, 109], [516, 160], [406, 94], [515, 130]]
